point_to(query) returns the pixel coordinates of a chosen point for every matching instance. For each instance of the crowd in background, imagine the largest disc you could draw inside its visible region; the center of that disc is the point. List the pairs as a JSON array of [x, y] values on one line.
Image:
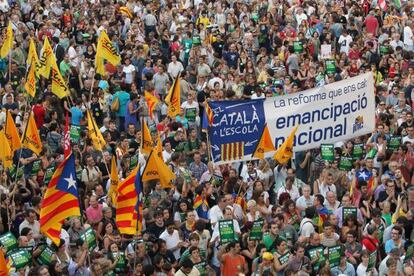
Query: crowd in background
[[222, 50]]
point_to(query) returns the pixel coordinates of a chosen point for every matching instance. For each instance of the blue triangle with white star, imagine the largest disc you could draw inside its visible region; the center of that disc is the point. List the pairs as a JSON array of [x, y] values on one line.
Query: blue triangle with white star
[[67, 180]]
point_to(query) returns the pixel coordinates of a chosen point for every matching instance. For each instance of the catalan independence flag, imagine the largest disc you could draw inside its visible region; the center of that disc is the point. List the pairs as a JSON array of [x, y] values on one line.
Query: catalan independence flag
[[139, 207], [232, 151], [60, 200], [126, 214], [152, 102]]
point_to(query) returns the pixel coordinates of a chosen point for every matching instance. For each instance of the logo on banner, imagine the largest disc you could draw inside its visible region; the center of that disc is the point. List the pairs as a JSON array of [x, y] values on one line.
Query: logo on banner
[[358, 124]]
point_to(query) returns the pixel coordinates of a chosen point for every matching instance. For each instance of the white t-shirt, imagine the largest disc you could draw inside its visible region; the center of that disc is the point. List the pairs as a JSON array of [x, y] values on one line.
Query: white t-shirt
[[408, 34], [344, 42], [306, 228], [172, 241], [128, 70], [215, 215]]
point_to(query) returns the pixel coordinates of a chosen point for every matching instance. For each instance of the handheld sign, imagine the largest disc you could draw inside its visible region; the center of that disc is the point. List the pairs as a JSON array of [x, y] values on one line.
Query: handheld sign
[[226, 230]]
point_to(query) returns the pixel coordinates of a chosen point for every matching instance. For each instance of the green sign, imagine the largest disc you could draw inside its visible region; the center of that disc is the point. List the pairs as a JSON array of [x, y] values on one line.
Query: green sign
[[345, 164], [36, 167], [384, 50], [395, 142], [409, 254], [20, 172], [45, 257], [372, 261], [191, 114], [358, 151], [334, 254], [133, 161], [49, 173], [89, 237], [75, 133], [346, 211], [196, 40], [202, 268], [20, 258], [330, 66], [121, 264], [257, 230], [298, 47], [226, 230], [371, 154], [8, 241], [328, 152], [313, 254], [284, 258]]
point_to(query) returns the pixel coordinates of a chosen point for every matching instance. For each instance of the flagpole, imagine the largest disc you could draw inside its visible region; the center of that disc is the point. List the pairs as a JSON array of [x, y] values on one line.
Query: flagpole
[[138, 214]]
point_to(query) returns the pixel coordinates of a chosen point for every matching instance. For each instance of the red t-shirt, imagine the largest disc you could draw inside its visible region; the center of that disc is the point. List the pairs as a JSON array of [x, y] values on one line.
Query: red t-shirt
[[232, 265], [370, 244], [372, 24], [39, 112]]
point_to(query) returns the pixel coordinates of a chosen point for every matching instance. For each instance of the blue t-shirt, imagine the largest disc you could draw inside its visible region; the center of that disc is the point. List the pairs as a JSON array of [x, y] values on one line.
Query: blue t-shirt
[[123, 98], [76, 115]]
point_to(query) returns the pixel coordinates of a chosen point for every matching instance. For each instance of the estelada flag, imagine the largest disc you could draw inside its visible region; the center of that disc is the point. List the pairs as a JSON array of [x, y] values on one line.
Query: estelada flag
[[107, 50], [157, 169], [61, 200], [152, 102], [31, 138], [173, 98], [112, 193], [30, 84], [126, 11], [126, 203], [285, 151], [46, 59], [11, 132], [264, 145], [146, 139], [94, 133], [59, 87], [7, 42], [6, 154]]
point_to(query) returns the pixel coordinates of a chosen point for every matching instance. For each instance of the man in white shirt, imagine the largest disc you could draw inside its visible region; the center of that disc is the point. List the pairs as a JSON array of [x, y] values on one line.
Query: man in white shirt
[[216, 212], [289, 188], [306, 200], [408, 36], [306, 228], [174, 67], [396, 42], [31, 223], [172, 239], [345, 41]]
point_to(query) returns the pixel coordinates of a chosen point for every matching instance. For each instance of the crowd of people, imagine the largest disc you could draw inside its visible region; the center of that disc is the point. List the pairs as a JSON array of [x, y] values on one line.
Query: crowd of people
[[307, 217]]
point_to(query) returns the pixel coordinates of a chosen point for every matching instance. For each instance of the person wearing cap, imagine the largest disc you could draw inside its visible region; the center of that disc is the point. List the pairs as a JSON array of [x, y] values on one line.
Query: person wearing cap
[[266, 266]]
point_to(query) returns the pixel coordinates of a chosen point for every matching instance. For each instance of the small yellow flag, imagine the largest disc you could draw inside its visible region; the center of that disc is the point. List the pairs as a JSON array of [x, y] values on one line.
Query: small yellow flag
[[113, 188], [94, 133], [32, 57], [11, 132], [31, 139], [285, 151], [264, 145], [7, 42], [159, 147], [30, 84], [6, 154], [146, 139], [173, 99], [157, 169], [46, 59], [59, 87], [107, 50]]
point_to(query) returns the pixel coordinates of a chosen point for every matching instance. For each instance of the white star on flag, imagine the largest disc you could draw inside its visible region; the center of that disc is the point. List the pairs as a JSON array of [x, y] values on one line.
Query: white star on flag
[[363, 175], [71, 181]]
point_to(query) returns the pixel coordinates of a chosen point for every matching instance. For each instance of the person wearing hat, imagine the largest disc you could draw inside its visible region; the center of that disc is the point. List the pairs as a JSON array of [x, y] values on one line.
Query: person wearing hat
[[266, 266]]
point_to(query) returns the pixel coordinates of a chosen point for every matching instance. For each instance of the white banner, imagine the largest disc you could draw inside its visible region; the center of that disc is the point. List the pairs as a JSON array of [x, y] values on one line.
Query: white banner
[[332, 113]]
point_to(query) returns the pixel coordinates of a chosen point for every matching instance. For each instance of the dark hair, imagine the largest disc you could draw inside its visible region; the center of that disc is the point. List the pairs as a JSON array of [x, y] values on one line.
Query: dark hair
[[310, 212], [187, 263], [320, 198]]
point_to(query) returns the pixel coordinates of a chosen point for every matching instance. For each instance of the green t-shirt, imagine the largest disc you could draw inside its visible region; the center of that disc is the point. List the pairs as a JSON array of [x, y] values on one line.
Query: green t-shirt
[[268, 242], [64, 68]]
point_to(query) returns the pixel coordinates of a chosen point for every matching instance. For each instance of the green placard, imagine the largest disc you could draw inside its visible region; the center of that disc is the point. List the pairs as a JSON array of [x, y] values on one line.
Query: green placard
[[384, 50], [313, 253], [20, 172], [298, 47], [8, 241], [284, 258], [345, 163], [45, 257], [409, 254], [36, 167], [196, 40], [191, 114], [226, 230], [121, 264], [49, 173], [75, 133], [372, 261], [257, 230], [89, 237], [202, 268], [395, 142], [346, 211], [334, 254], [371, 154], [20, 258], [133, 161], [330, 66], [358, 151], [328, 152]]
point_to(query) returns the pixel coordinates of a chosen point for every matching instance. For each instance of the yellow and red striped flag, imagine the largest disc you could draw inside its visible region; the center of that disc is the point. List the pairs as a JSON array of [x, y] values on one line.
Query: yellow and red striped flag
[[173, 98], [126, 11], [126, 202], [60, 200], [232, 151], [209, 113], [31, 138], [11, 132], [152, 102], [7, 42]]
